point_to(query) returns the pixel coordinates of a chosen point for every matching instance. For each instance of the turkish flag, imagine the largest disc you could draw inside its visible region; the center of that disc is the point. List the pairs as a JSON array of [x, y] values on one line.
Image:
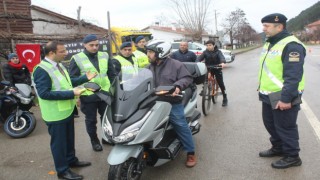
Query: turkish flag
[[29, 54]]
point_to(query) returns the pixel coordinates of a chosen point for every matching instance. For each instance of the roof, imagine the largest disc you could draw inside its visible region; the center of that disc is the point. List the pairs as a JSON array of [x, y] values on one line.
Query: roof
[[316, 23], [66, 18], [174, 30]]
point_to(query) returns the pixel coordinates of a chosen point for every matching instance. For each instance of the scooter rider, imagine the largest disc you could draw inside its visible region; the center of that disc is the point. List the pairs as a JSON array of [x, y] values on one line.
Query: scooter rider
[[167, 71]]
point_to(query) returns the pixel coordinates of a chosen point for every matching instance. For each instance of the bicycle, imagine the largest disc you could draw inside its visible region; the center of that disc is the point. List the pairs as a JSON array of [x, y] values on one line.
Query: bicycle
[[210, 90]]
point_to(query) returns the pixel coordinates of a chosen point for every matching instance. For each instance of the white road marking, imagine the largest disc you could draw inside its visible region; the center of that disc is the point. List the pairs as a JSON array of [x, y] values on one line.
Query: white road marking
[[313, 120]]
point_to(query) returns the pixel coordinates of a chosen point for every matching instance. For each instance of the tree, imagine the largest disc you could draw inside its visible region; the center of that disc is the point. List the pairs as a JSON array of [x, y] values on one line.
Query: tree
[[246, 34], [192, 15], [233, 23]]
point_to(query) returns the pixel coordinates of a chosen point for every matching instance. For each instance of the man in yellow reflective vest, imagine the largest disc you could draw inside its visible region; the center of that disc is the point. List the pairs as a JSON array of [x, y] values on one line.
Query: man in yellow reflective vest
[[91, 59], [125, 62], [56, 95], [141, 52], [281, 83]]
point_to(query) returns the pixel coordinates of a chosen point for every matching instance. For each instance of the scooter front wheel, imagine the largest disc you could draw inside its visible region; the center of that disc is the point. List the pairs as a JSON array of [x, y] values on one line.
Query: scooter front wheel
[[128, 170], [25, 125]]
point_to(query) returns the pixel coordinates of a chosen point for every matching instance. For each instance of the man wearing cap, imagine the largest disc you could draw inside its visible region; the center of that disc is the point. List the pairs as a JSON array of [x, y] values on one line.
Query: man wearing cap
[[141, 52], [16, 72], [281, 72], [94, 61], [125, 62]]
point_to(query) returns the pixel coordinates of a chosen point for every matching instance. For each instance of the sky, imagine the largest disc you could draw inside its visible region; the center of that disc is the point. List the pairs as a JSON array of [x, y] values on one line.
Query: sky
[[142, 13]]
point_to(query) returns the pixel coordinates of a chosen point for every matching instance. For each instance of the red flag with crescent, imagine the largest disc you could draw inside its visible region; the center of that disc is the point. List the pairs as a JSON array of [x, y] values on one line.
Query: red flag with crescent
[[29, 54]]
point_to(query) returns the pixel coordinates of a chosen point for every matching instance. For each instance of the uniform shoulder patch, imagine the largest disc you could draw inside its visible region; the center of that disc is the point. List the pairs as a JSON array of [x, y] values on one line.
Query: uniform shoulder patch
[[294, 57]]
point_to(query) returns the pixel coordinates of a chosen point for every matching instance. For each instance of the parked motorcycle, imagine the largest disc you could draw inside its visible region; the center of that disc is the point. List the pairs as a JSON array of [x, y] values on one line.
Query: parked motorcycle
[[138, 124], [16, 102]]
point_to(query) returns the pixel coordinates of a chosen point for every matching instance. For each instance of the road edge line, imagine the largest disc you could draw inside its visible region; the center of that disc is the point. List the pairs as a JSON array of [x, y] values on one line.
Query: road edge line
[[313, 120]]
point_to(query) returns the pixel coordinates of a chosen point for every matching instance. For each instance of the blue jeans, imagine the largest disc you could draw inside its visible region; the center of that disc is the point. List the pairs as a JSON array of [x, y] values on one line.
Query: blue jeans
[[179, 122]]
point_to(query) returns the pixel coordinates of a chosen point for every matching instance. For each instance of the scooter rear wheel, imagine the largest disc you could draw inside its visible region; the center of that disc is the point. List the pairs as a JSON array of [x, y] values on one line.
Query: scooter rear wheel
[[26, 124], [127, 170]]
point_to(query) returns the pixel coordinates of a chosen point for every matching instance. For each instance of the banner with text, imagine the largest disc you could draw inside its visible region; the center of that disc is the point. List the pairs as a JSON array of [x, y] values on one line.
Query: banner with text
[[77, 46]]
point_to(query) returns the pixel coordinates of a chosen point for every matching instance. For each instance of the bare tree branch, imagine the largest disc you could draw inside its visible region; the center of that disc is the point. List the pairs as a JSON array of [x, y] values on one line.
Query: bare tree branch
[[192, 15]]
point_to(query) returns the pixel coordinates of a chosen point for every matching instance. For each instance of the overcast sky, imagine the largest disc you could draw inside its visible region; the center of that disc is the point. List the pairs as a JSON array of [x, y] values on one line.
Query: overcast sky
[[142, 13]]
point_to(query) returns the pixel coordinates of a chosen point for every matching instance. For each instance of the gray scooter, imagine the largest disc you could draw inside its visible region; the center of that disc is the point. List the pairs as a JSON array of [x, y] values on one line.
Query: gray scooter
[[137, 123]]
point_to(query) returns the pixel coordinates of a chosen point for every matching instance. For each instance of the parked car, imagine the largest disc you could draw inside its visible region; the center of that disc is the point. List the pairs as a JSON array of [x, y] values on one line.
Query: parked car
[[198, 48]]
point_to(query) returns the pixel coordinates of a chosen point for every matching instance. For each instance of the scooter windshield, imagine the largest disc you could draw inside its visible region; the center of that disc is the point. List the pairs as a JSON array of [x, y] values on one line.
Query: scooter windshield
[[130, 81]]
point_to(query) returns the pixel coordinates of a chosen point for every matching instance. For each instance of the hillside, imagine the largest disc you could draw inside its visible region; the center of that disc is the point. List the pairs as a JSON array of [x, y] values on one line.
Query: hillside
[[305, 17]]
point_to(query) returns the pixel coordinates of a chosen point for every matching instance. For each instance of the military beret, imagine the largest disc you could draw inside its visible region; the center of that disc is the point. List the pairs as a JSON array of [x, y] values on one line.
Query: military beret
[[89, 38], [138, 39], [12, 55], [125, 44], [274, 18]]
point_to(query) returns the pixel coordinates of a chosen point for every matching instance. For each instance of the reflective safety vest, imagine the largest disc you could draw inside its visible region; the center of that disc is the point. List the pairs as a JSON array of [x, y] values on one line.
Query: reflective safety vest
[[142, 58], [56, 110], [85, 65], [271, 67], [126, 66]]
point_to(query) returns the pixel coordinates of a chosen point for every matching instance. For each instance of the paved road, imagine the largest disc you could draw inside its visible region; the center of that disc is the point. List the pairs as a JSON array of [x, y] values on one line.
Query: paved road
[[227, 146]]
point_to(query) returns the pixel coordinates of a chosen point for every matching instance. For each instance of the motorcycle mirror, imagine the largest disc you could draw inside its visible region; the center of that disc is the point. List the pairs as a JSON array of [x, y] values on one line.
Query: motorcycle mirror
[[91, 86]]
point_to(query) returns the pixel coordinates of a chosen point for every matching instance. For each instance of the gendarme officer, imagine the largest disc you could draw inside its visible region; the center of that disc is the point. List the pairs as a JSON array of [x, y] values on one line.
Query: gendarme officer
[[281, 72]]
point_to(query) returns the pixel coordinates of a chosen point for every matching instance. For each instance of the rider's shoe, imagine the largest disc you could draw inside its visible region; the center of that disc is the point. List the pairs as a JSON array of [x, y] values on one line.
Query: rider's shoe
[[191, 161], [225, 100]]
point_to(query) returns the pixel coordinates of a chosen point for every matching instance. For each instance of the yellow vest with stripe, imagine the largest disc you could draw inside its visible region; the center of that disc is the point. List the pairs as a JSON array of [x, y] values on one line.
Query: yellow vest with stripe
[[273, 62], [126, 66], [56, 110], [85, 65], [142, 58]]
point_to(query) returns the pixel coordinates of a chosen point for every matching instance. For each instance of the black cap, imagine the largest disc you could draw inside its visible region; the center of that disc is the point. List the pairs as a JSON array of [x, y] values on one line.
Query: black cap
[[274, 18], [125, 44]]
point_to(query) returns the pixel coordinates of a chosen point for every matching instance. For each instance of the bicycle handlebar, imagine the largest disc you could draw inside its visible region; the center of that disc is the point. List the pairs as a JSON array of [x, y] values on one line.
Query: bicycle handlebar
[[214, 67]]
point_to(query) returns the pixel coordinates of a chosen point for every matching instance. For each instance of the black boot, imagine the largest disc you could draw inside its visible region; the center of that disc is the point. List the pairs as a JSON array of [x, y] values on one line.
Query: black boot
[[225, 100], [96, 146]]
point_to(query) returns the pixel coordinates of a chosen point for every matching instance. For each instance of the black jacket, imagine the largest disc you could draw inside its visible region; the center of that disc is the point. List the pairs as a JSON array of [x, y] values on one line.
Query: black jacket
[[16, 75], [212, 58]]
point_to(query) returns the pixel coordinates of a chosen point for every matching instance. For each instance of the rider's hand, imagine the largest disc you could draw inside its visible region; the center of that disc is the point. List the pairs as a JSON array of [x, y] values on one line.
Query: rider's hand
[[12, 90], [223, 65], [176, 92], [91, 75]]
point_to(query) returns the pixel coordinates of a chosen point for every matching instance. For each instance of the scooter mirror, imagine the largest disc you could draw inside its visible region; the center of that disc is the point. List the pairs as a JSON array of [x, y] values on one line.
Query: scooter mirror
[[91, 86]]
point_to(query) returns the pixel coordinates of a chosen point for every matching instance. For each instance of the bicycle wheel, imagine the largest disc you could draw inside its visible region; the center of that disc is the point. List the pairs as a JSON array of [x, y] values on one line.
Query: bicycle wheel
[[215, 92], [206, 98]]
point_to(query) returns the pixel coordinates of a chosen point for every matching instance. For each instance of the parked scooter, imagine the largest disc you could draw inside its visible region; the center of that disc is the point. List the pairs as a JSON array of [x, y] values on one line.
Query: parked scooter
[[15, 104], [138, 124]]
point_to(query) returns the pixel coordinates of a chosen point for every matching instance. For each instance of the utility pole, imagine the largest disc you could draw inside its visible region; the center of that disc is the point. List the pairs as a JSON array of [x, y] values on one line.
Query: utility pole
[[79, 20], [215, 16]]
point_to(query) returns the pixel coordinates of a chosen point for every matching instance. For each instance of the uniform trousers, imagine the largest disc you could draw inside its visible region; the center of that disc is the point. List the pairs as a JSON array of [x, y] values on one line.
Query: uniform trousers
[[90, 110], [283, 129]]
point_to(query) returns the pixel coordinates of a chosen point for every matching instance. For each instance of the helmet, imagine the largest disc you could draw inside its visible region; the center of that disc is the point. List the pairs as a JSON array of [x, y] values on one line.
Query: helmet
[[161, 48]]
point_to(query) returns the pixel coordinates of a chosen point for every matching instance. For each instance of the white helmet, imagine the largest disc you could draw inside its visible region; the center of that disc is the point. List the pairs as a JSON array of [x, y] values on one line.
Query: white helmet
[[161, 48]]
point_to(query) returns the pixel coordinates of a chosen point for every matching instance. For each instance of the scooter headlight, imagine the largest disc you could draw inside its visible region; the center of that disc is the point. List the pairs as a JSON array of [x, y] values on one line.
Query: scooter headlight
[[129, 133], [125, 137], [107, 128]]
